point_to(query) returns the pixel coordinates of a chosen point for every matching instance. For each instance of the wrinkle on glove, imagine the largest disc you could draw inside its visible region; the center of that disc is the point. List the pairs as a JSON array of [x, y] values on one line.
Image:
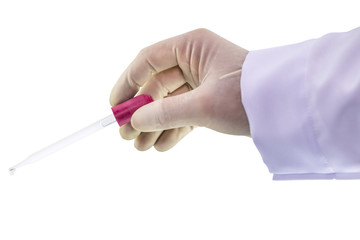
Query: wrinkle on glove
[[303, 106]]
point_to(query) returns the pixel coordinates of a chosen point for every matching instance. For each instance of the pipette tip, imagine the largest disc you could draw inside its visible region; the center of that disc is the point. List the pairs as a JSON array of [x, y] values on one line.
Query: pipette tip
[[12, 171]]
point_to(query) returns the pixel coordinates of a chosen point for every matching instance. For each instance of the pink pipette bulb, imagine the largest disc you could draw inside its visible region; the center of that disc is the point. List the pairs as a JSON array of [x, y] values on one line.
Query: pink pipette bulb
[[125, 110]]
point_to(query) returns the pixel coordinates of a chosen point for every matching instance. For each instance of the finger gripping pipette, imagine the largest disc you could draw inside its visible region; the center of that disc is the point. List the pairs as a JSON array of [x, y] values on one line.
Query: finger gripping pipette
[[120, 113]]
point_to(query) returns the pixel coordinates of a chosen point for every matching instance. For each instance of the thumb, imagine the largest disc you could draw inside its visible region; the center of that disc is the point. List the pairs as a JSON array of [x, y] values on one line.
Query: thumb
[[187, 109]]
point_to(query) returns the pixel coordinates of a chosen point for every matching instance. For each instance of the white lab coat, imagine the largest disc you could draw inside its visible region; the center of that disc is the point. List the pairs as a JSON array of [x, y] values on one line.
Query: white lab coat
[[303, 105]]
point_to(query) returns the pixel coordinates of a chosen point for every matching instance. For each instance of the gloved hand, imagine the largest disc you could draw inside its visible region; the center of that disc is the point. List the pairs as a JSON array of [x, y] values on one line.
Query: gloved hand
[[194, 79]]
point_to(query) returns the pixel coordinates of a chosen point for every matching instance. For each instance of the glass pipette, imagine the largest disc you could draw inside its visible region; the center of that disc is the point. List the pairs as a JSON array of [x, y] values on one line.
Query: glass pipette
[[121, 113]]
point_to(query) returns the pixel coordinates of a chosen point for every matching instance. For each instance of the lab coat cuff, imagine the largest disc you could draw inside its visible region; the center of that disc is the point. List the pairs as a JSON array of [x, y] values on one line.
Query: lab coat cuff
[[275, 96]]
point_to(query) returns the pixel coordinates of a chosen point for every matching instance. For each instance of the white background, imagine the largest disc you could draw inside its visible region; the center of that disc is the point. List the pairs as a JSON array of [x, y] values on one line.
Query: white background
[[58, 63]]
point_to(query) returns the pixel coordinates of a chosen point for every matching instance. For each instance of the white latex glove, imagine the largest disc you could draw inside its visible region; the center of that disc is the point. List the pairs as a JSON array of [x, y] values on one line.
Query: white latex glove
[[194, 79]]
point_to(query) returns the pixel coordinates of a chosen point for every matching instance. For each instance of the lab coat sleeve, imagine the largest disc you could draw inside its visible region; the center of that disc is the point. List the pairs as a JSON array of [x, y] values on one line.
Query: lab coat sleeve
[[303, 106]]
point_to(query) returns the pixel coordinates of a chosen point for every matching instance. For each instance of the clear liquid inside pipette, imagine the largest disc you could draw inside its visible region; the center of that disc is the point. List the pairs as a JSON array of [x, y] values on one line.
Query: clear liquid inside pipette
[[77, 136]]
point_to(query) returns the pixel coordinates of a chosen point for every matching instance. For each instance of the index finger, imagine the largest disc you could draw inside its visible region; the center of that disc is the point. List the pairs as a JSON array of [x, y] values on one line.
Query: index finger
[[153, 59]]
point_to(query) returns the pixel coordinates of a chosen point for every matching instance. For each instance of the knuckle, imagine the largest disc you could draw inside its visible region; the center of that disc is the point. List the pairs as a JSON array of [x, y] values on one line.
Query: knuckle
[[200, 32], [145, 57], [143, 52], [132, 80]]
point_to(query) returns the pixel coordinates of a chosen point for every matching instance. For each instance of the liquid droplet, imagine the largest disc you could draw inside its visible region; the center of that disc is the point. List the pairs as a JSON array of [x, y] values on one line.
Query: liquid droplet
[[12, 171]]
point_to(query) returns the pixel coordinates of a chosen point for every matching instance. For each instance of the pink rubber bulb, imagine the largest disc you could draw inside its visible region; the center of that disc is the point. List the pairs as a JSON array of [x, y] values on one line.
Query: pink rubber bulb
[[125, 110]]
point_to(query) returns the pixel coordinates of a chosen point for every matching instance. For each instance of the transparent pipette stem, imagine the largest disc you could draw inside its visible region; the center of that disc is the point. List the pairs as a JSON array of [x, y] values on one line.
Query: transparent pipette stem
[[65, 142], [121, 114]]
